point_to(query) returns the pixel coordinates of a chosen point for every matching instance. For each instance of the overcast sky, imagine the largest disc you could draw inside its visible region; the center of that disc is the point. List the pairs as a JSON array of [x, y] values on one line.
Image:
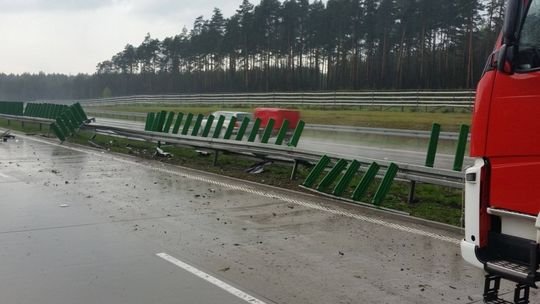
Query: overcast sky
[[64, 36]]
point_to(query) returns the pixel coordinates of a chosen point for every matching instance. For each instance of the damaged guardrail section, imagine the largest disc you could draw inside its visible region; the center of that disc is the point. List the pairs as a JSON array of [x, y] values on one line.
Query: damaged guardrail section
[[69, 121], [197, 126], [341, 185]]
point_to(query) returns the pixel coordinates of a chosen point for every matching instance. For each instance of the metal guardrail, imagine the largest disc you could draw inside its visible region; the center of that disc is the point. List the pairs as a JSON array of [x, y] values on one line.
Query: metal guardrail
[[408, 172], [315, 127], [461, 99]]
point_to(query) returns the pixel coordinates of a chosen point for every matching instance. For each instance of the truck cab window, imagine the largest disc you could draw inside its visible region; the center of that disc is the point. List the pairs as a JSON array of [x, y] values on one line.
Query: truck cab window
[[529, 45]]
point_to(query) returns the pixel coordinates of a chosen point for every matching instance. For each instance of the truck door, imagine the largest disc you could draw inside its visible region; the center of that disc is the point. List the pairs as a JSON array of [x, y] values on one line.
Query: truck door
[[513, 136]]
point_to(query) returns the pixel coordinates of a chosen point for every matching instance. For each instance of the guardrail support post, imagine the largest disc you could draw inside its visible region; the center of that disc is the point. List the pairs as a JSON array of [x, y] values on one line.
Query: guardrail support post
[[384, 187], [216, 155], [294, 170], [433, 142], [268, 131], [332, 175], [412, 189], [316, 171], [460, 150], [346, 178], [282, 132], [297, 133], [365, 181]]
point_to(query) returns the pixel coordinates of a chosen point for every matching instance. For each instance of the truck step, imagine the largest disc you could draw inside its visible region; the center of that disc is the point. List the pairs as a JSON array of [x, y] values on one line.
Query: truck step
[[491, 291], [521, 272]]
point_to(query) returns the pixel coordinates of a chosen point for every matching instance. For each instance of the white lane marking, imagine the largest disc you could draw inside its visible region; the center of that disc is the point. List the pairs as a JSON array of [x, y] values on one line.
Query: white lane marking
[[205, 276], [284, 198], [3, 175]]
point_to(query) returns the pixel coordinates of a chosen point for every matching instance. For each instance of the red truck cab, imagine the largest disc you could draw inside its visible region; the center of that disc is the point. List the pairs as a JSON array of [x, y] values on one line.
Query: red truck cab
[[502, 189]]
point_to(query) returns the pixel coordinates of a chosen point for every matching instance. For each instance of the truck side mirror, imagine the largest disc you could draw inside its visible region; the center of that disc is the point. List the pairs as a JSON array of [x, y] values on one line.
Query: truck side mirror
[[505, 59], [511, 21]]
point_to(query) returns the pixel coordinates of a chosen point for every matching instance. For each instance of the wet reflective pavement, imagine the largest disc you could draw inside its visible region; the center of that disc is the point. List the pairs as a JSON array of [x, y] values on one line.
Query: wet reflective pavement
[[81, 226]]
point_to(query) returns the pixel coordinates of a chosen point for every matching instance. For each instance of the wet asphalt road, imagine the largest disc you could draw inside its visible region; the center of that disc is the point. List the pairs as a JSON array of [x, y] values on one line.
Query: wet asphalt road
[[81, 226]]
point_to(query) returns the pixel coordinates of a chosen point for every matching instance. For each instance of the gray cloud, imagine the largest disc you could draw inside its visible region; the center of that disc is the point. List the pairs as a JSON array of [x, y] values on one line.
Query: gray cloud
[[10, 6]]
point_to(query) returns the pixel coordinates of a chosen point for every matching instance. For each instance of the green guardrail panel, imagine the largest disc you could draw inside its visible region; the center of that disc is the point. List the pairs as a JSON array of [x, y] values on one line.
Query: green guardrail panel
[[219, 126], [58, 132], [433, 142], [332, 175], [282, 132], [366, 180], [168, 122], [316, 171], [178, 122], [63, 127], [208, 126], [268, 131], [150, 116], [254, 130], [297, 133], [161, 121], [460, 150], [385, 185], [242, 129], [346, 178], [197, 126], [230, 128], [78, 118], [81, 111], [187, 124], [156, 122]]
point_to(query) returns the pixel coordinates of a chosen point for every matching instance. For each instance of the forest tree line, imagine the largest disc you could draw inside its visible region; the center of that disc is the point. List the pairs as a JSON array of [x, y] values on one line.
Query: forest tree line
[[296, 45]]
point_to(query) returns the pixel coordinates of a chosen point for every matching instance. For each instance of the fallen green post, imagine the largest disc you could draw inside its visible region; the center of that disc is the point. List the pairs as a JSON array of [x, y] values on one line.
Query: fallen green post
[[187, 124], [331, 176], [366, 180], [433, 142], [177, 123], [316, 171], [208, 126], [219, 126], [297, 133], [254, 130], [460, 150], [385, 185], [230, 128], [346, 178], [168, 122], [268, 131]]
